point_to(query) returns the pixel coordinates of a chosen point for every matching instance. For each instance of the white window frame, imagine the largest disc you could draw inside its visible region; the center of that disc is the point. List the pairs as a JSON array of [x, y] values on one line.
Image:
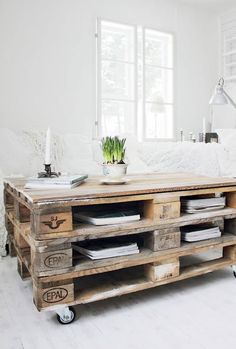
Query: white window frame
[[98, 118]]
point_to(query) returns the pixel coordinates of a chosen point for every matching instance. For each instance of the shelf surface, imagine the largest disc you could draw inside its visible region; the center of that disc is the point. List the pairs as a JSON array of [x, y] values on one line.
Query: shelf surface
[[108, 286], [82, 231], [86, 266]]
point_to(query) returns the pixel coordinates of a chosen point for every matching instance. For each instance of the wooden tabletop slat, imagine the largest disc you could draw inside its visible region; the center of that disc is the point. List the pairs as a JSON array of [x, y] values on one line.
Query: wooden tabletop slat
[[137, 184]]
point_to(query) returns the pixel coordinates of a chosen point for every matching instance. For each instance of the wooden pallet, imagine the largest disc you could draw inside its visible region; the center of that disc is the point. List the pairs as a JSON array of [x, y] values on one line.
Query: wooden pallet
[[42, 230], [55, 280]]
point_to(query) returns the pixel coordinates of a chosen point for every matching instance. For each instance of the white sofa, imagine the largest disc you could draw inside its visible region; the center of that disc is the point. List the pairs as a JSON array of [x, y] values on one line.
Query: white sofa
[[22, 154]]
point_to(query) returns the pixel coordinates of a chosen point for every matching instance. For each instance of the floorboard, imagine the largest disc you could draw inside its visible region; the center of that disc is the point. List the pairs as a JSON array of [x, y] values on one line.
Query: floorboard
[[196, 313]]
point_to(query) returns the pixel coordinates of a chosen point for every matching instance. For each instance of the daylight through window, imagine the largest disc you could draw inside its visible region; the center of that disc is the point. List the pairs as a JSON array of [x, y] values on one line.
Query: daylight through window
[[135, 81]]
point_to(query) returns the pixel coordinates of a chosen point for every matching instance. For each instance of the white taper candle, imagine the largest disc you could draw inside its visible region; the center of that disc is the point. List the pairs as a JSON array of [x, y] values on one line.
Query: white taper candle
[[48, 148]]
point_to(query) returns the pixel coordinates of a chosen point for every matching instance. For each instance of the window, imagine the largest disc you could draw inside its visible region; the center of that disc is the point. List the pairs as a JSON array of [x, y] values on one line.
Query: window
[[228, 42], [135, 81]]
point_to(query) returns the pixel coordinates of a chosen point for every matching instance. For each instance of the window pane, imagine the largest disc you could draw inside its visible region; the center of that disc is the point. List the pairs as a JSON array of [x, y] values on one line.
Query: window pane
[[158, 48], [159, 85], [117, 41], [159, 121], [117, 118], [117, 80], [135, 78]]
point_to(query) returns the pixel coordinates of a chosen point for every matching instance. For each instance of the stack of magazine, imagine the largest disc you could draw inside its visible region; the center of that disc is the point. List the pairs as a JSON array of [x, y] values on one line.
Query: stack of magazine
[[61, 182], [109, 217], [193, 205], [198, 233], [107, 250]]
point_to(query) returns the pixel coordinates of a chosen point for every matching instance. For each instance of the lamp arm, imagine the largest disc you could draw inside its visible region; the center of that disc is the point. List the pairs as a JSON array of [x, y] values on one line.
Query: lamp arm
[[230, 99]]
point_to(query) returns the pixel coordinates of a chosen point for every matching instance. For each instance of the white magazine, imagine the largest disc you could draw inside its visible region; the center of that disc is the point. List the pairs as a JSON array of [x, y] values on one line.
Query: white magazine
[[101, 218], [197, 233], [107, 250]]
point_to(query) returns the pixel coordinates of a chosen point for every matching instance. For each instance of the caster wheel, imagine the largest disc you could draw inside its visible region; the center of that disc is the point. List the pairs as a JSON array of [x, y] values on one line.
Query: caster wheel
[[68, 318], [234, 272]]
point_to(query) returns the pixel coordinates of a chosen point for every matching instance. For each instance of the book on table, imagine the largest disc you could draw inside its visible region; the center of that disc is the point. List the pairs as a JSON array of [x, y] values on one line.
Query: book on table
[[107, 250], [193, 205], [108, 217], [198, 233], [61, 182]]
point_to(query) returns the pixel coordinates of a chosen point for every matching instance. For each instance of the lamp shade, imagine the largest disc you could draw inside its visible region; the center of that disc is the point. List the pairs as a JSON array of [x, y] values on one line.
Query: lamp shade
[[218, 96]]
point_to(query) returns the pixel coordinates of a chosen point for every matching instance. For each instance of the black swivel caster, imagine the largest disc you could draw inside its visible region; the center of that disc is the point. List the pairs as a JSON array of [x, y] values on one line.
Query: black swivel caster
[[66, 316], [234, 272]]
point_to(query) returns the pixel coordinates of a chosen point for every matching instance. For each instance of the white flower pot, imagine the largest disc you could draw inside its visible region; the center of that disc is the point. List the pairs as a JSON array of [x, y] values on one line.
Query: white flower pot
[[114, 170]]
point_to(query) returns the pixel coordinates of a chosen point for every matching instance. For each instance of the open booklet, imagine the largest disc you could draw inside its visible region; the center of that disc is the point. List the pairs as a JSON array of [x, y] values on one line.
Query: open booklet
[[107, 250]]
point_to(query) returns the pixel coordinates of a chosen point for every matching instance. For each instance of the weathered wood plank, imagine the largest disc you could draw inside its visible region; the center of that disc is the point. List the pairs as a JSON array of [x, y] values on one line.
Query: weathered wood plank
[[22, 213], [139, 184], [86, 267], [11, 246], [55, 261], [55, 295], [162, 270], [83, 231], [22, 269], [161, 211], [230, 252], [51, 222], [8, 200], [114, 289], [8, 224], [163, 239], [231, 199], [19, 239]]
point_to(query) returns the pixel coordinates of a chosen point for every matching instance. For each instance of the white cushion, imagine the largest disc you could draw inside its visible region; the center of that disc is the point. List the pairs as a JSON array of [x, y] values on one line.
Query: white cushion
[[227, 158], [133, 159], [199, 158], [227, 136], [78, 155]]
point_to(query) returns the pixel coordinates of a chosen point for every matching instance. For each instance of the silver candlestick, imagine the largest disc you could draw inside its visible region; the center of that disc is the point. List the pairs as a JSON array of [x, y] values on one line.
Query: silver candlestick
[[48, 173]]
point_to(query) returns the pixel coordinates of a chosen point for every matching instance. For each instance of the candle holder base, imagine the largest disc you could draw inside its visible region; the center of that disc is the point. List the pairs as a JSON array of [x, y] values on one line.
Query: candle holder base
[[201, 137], [48, 173]]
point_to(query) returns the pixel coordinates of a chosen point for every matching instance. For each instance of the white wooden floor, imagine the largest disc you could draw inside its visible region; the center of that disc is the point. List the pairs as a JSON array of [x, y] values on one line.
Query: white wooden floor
[[197, 313]]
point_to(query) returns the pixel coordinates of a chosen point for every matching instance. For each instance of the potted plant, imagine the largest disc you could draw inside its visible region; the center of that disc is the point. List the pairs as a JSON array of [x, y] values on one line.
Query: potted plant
[[113, 149]]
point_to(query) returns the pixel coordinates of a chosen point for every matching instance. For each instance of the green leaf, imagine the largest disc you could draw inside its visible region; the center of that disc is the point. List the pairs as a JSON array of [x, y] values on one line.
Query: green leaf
[[113, 149]]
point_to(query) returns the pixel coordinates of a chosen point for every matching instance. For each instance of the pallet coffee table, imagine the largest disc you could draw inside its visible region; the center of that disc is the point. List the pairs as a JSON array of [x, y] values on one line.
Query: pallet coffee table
[[42, 231]]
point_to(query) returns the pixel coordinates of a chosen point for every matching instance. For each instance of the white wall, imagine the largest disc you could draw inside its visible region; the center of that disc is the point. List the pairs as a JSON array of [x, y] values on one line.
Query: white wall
[[47, 62]]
